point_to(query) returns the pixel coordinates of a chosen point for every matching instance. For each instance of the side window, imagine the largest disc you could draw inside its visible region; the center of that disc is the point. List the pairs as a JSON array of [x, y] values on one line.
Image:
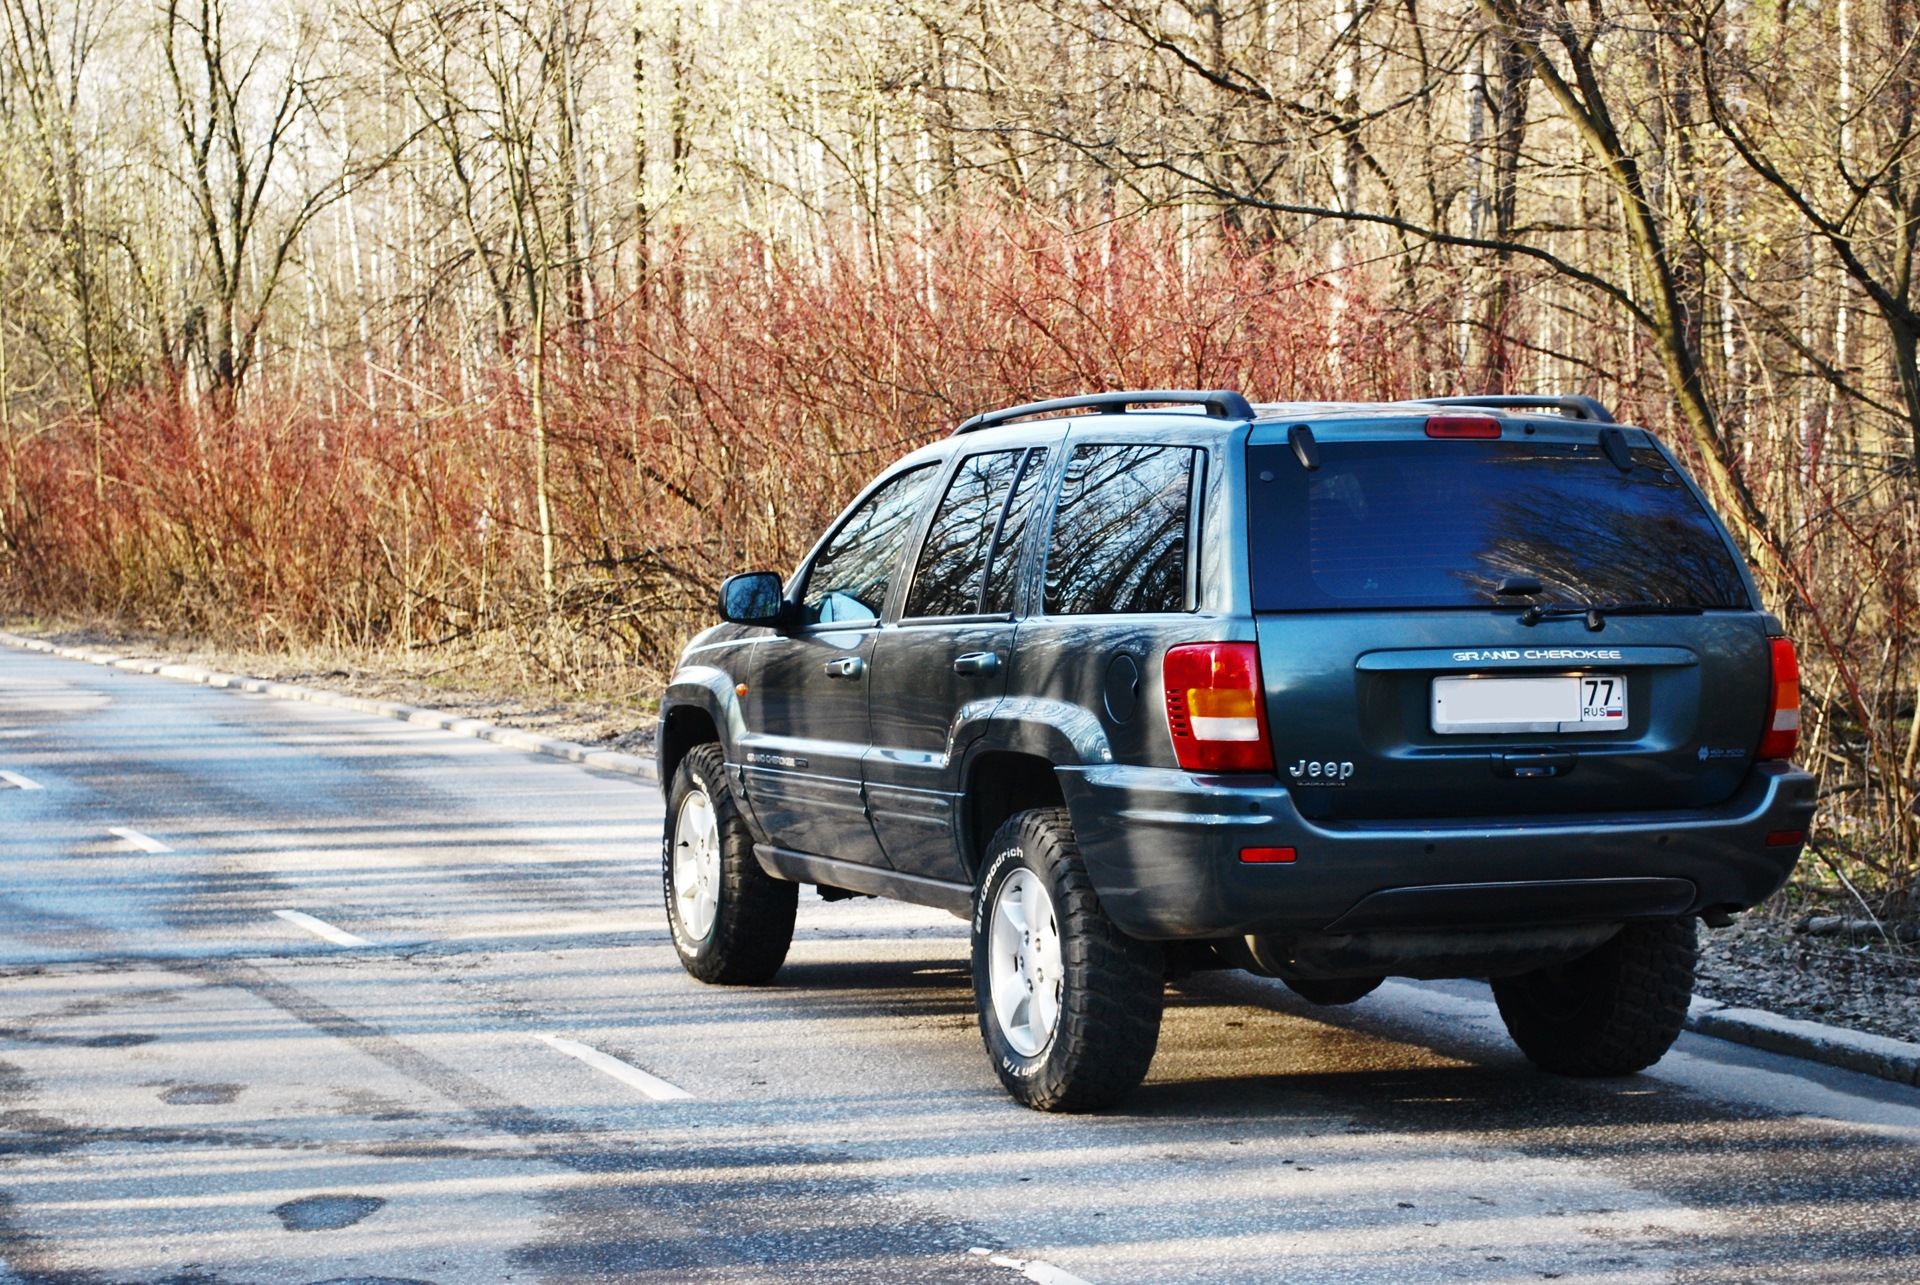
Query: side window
[[1003, 572], [848, 581], [1120, 532], [953, 564]]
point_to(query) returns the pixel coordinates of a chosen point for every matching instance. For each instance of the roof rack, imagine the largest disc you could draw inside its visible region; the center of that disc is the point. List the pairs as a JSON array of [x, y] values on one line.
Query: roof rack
[[1572, 407], [1220, 404]]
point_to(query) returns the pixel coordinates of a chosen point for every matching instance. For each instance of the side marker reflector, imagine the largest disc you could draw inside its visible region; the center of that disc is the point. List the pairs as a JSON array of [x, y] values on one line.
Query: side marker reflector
[[1786, 838], [1263, 855]]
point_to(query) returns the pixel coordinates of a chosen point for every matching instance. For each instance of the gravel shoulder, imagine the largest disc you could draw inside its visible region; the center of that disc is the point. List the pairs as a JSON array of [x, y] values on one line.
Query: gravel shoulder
[[466, 689], [1806, 954], [1819, 964]]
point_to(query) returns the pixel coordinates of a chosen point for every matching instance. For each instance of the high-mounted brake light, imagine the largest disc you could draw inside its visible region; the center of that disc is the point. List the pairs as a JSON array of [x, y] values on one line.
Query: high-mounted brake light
[[1216, 709], [1463, 426], [1783, 711]]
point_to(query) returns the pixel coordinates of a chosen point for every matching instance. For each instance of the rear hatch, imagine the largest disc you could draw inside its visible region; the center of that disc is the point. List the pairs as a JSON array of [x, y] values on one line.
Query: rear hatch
[[1425, 638]]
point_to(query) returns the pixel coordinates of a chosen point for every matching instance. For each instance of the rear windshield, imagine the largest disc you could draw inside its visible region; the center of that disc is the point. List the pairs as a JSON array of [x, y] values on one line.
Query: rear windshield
[[1444, 523]]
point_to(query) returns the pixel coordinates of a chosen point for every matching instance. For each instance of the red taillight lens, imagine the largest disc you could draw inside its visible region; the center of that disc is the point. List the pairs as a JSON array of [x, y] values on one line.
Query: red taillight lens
[[1216, 709], [1783, 712], [1463, 426]]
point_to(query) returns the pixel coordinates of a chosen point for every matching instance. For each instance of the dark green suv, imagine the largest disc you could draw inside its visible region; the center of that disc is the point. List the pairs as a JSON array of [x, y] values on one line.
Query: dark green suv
[[1148, 682]]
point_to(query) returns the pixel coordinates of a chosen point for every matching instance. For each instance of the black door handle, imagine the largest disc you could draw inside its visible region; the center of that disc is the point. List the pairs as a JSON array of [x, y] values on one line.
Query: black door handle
[[845, 667], [977, 662]]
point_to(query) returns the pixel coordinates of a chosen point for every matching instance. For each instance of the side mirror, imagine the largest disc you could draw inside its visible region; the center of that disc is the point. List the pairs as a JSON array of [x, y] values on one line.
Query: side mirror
[[753, 599]]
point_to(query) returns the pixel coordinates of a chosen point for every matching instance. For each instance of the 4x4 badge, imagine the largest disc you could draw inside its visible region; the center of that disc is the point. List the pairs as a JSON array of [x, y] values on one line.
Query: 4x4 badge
[[1314, 772]]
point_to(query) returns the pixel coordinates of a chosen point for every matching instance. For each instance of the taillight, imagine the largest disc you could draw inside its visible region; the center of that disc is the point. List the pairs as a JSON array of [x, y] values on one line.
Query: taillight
[[1216, 709], [1463, 426], [1783, 713]]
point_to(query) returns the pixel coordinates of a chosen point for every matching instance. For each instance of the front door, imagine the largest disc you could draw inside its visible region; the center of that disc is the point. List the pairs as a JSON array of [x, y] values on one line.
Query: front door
[[944, 662], [806, 701]]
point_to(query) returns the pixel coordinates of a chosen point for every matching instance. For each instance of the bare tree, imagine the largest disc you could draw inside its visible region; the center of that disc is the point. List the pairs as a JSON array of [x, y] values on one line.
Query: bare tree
[[239, 102]]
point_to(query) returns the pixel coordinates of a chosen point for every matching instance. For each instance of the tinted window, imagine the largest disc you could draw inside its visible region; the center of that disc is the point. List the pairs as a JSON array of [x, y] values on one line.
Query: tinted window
[[953, 562], [1441, 524], [848, 581], [1120, 532], [1003, 574]]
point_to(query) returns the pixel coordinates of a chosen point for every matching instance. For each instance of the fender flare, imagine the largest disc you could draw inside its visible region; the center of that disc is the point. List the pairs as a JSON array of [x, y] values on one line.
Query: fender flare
[[711, 691]]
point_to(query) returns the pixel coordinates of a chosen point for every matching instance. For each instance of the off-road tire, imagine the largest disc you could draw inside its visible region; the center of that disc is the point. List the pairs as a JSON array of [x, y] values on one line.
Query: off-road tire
[[1111, 985], [753, 922], [1614, 1010]]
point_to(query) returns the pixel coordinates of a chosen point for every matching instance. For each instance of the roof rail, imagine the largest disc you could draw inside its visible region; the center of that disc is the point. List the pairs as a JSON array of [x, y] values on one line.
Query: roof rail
[[1220, 404], [1572, 407]]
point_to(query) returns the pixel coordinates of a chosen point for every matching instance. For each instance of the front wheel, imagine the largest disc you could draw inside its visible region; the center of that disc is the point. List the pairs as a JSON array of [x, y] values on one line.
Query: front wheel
[[732, 922], [1613, 1011], [1069, 1005]]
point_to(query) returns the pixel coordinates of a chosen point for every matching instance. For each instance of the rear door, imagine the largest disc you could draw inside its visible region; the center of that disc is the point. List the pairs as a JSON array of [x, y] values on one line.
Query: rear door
[[947, 655], [806, 702], [1425, 637]]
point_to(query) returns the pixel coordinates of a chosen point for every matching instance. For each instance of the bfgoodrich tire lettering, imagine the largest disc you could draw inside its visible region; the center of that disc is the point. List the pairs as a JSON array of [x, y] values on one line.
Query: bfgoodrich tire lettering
[[1083, 1034], [732, 922], [1613, 1011]]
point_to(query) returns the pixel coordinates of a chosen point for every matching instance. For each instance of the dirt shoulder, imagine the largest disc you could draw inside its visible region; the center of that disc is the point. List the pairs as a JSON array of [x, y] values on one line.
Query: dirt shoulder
[[1807, 954]]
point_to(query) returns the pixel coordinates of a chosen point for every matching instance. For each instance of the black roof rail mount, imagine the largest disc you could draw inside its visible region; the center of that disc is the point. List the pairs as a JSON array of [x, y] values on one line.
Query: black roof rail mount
[[1220, 404], [1573, 407]]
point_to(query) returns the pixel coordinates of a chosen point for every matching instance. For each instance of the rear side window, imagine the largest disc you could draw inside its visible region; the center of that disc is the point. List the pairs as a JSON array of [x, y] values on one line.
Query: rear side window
[[1120, 532], [848, 581], [1442, 524], [973, 542]]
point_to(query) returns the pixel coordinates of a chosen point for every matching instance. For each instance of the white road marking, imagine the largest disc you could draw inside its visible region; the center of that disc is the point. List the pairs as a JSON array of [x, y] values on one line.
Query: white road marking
[[15, 778], [1034, 1270], [651, 1085], [321, 928], [144, 842]]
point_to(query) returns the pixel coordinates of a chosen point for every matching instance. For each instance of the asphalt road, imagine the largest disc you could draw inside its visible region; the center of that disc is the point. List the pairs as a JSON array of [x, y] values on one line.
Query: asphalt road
[[197, 1089]]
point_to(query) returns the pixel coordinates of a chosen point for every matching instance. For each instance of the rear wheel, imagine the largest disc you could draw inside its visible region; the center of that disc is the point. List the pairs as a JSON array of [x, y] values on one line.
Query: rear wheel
[[1613, 1011], [732, 922], [1069, 1005]]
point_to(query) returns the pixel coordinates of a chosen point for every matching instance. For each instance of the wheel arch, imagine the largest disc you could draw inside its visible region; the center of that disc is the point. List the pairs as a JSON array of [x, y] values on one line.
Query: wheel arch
[[1000, 784]]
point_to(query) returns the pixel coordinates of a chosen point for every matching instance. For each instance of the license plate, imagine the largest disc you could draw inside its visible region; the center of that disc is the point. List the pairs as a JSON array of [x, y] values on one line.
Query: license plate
[[1560, 703]]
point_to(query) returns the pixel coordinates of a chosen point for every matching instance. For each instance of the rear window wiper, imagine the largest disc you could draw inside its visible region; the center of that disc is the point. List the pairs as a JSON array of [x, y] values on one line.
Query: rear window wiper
[[1596, 613]]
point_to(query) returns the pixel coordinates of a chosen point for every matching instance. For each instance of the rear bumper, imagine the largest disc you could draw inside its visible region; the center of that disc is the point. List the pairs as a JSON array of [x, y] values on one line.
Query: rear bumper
[[1163, 849]]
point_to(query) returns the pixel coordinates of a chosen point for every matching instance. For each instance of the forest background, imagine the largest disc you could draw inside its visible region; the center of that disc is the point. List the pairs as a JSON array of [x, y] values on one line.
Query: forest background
[[500, 332]]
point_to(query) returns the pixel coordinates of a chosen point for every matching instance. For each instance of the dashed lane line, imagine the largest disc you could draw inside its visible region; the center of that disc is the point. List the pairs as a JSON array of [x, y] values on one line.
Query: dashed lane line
[[321, 928], [20, 782], [1032, 1268], [144, 842], [651, 1085]]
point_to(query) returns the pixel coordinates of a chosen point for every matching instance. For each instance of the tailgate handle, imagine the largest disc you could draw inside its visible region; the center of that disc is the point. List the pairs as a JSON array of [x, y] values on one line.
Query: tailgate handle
[[1526, 765]]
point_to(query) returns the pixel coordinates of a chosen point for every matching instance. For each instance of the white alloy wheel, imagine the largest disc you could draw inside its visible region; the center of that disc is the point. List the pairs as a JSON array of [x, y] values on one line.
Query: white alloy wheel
[[1024, 972], [696, 866]]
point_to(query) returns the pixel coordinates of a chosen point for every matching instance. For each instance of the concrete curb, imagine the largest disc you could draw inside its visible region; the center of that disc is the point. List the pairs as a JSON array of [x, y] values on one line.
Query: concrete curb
[[512, 738], [1875, 1055]]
